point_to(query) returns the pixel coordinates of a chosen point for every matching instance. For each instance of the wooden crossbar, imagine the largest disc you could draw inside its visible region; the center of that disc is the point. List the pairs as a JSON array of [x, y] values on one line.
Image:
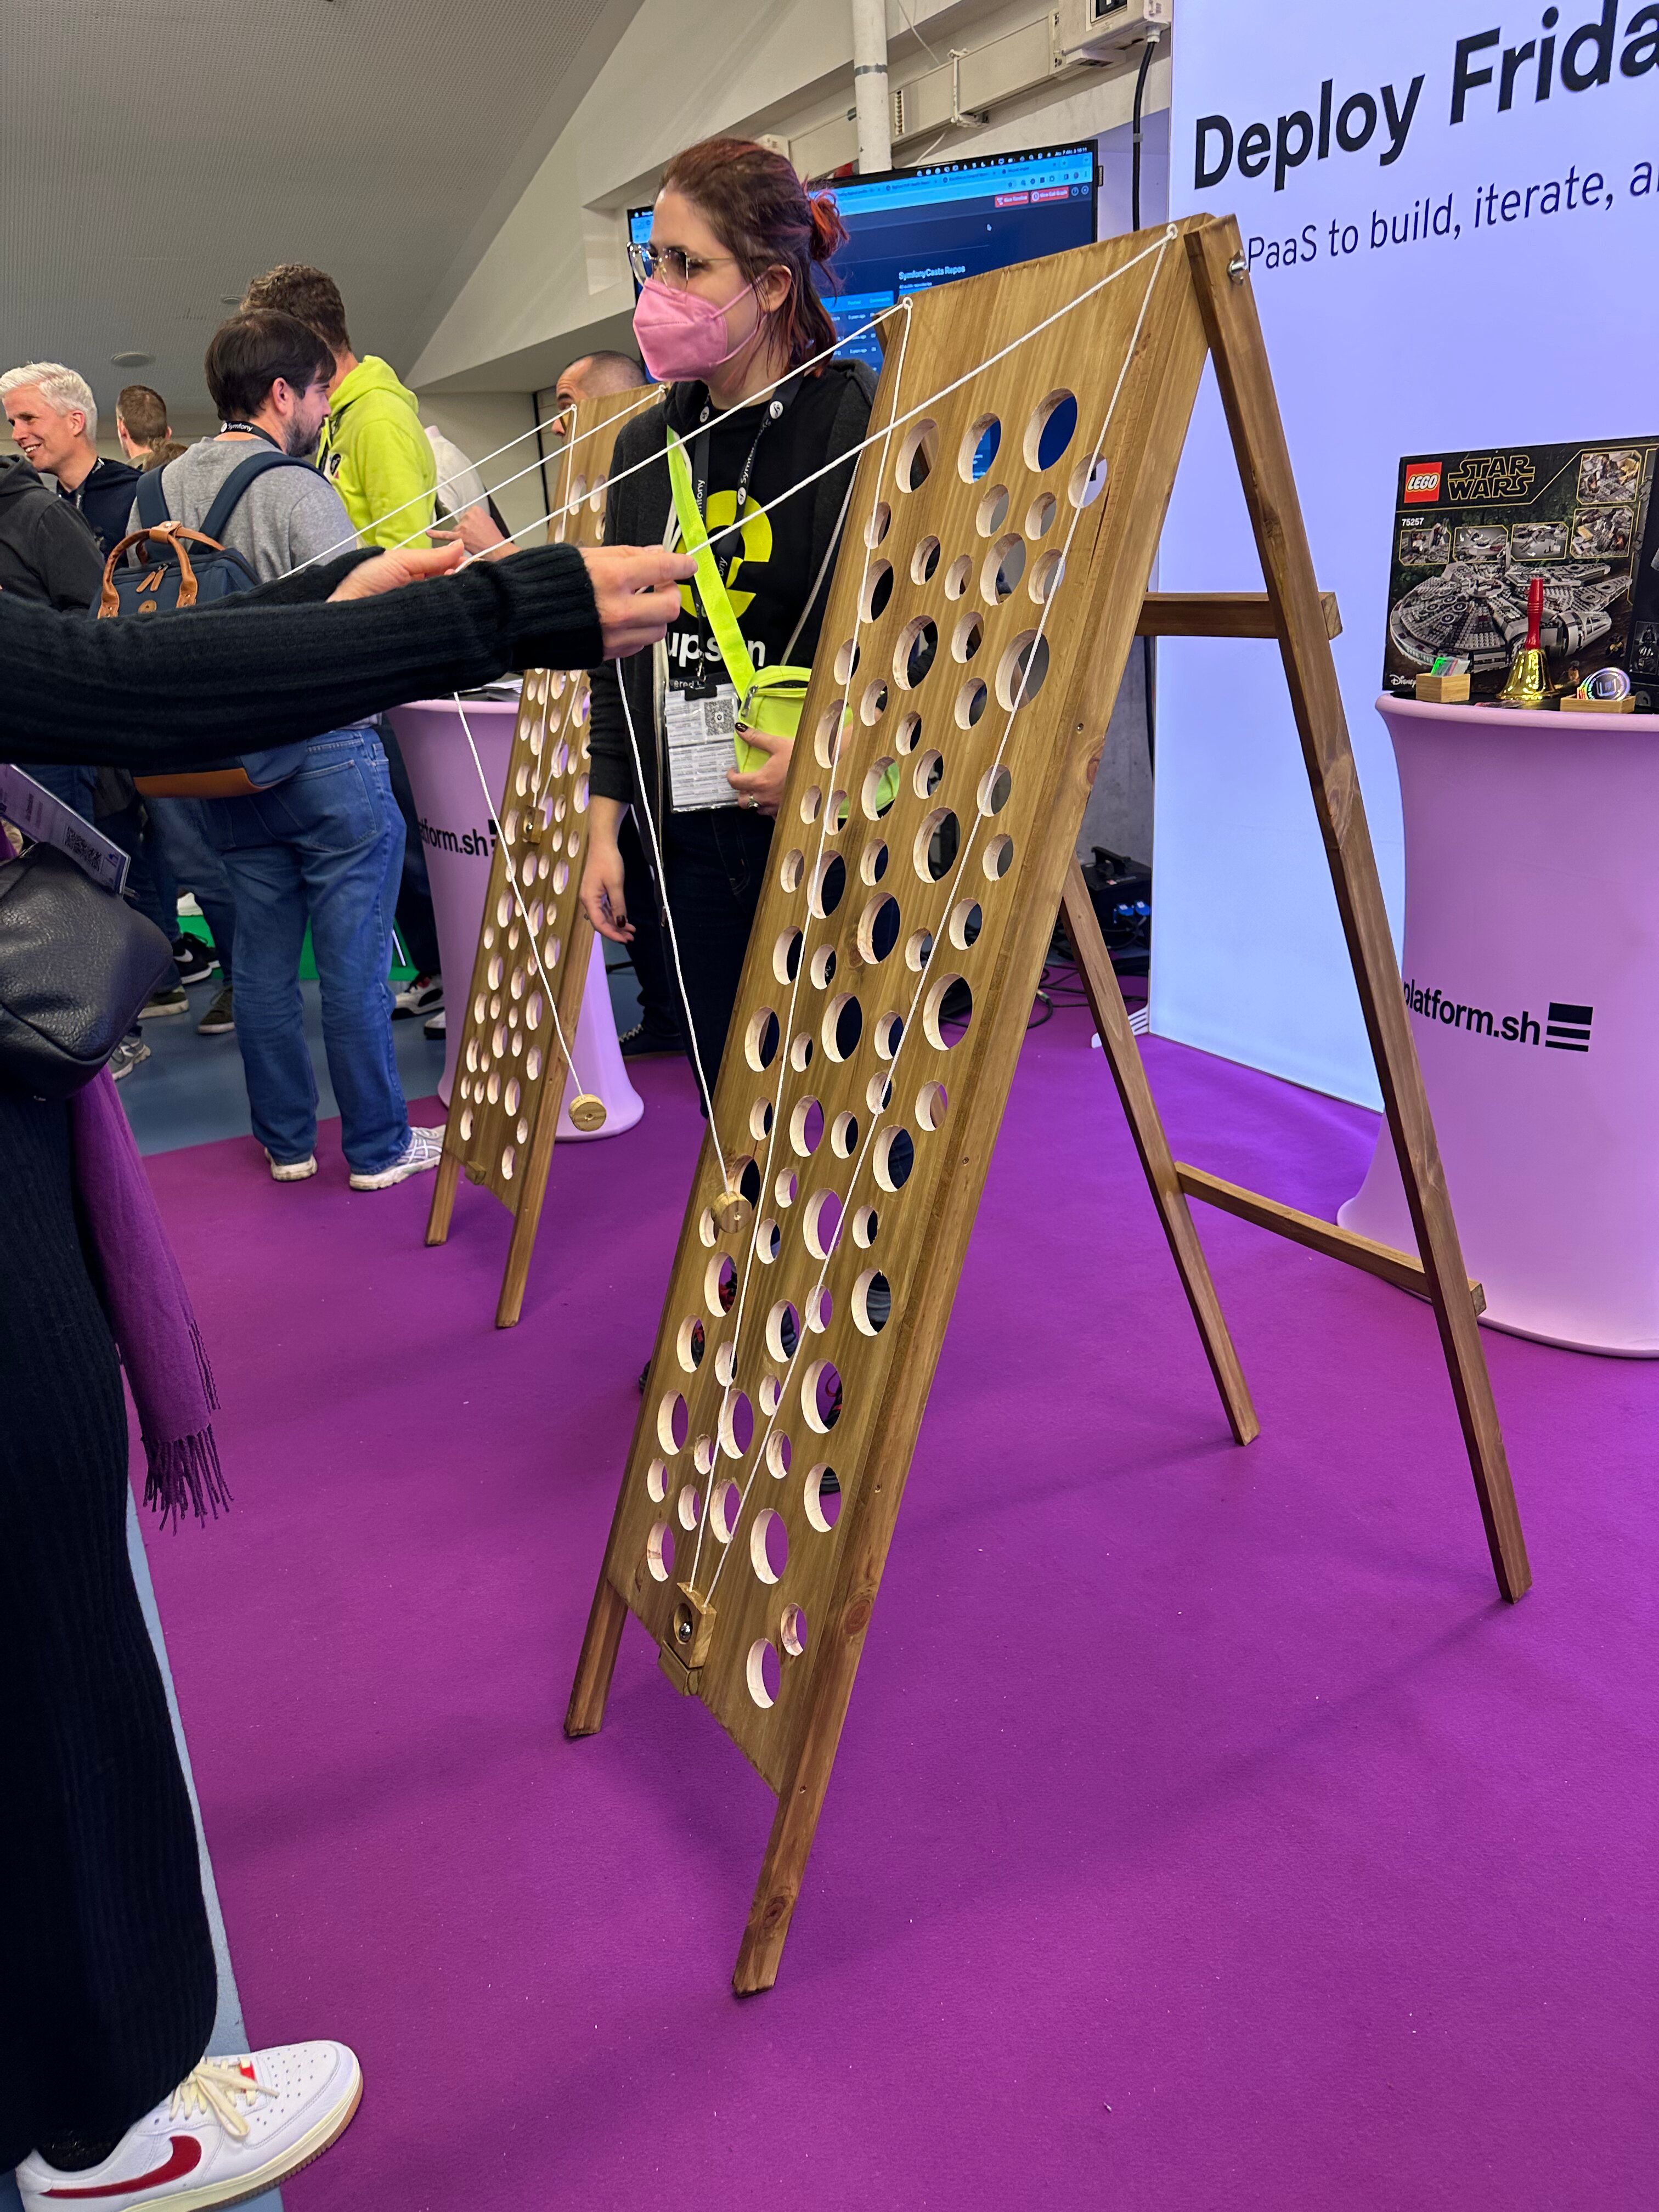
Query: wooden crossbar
[[1221, 614], [1399, 1268]]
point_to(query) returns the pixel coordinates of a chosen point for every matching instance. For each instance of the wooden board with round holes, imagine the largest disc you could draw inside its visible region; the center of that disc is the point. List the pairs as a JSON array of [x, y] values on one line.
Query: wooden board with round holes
[[510, 1074], [856, 1110]]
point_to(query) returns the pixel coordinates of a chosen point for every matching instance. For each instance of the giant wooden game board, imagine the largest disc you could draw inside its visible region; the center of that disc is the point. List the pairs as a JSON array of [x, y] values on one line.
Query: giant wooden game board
[[1003, 524]]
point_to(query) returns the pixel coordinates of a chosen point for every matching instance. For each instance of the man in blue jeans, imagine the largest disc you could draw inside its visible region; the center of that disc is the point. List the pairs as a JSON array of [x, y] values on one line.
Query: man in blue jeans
[[324, 846]]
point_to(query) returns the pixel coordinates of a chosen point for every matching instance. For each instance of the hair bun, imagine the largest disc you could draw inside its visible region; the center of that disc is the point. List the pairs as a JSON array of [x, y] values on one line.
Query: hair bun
[[829, 231]]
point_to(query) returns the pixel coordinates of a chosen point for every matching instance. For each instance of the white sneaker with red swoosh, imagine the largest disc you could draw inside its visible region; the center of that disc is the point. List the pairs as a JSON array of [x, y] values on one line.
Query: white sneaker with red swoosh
[[233, 2128]]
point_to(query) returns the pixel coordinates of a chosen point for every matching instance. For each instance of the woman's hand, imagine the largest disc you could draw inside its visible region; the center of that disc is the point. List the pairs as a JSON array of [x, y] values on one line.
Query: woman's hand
[[602, 896], [763, 787], [637, 591], [390, 572], [479, 535]]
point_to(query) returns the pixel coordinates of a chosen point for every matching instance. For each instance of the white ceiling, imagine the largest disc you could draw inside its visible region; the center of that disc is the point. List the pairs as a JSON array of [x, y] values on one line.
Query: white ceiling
[[154, 154]]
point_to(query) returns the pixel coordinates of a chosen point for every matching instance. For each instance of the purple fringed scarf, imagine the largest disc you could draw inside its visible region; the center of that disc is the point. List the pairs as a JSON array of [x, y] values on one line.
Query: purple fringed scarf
[[148, 1308]]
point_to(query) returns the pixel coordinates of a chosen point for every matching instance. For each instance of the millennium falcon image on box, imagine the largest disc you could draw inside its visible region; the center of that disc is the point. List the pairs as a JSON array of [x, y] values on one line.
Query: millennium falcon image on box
[[1478, 608]]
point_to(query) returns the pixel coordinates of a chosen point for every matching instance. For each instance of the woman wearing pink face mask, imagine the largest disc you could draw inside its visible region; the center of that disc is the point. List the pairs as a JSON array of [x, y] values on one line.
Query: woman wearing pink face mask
[[729, 307]]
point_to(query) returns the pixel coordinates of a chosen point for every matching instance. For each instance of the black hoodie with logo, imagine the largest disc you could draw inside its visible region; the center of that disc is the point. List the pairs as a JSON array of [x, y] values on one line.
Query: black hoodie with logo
[[47, 553]]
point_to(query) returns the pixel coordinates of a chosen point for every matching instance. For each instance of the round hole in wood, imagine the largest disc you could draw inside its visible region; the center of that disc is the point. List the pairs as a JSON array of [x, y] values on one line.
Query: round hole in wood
[[872, 861], [660, 1552], [958, 575], [1001, 569], [812, 803], [919, 950], [877, 591], [725, 1504], [690, 1343], [844, 1136], [1040, 515], [880, 521], [1087, 483], [848, 655], [673, 1422], [998, 858], [889, 1030], [702, 1455], [725, 1360], [821, 1223], [783, 1331], [912, 656], [905, 737], [785, 955], [790, 871], [1045, 576], [970, 703], [688, 1506], [784, 1190], [771, 1394], [943, 1030], [763, 1671], [821, 1395], [896, 1154], [828, 882], [1023, 670], [736, 1424], [928, 774], [936, 843], [842, 1026], [992, 511], [760, 1120], [923, 560], [968, 637], [866, 1223], [792, 1631], [821, 1497], [779, 1452], [769, 1242], [1050, 429], [967, 920], [760, 1042], [807, 1126], [768, 1544], [656, 1481], [823, 967], [878, 929], [978, 449], [916, 455], [820, 1308], [800, 1052], [872, 1302], [873, 705], [879, 789], [931, 1100], [996, 787], [720, 1284], [827, 744]]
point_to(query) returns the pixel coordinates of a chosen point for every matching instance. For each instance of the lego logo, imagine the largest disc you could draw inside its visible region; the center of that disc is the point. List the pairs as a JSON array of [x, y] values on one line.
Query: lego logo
[[1422, 483]]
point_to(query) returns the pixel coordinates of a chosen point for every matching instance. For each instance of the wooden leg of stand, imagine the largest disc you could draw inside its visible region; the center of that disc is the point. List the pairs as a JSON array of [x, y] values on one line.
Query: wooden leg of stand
[[519, 1252], [1123, 1057], [443, 1199], [1258, 436], [597, 1663], [800, 1801]]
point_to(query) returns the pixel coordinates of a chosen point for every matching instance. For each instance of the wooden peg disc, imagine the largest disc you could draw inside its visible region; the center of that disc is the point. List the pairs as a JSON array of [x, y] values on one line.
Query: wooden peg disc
[[733, 1213], [587, 1112]]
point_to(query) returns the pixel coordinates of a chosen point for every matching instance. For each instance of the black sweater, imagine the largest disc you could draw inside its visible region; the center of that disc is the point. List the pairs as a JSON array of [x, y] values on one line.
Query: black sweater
[[837, 406], [160, 691], [48, 555]]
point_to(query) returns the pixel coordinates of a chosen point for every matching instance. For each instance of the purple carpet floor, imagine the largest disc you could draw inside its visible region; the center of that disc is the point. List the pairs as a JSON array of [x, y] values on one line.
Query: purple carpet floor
[[1206, 1837]]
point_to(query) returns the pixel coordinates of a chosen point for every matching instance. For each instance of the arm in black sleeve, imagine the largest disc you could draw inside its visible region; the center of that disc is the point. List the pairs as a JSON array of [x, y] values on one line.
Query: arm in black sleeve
[[609, 765], [160, 691], [65, 555]]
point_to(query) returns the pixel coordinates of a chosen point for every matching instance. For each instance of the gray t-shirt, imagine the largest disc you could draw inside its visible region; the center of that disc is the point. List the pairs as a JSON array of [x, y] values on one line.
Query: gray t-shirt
[[284, 517]]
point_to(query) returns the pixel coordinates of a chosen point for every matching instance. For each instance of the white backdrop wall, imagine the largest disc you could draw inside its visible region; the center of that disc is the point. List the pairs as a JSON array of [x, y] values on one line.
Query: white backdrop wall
[[1476, 272]]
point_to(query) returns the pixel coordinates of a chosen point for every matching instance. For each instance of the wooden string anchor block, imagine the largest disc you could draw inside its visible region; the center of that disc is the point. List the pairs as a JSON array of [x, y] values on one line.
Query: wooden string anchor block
[[1002, 528], [512, 1069]]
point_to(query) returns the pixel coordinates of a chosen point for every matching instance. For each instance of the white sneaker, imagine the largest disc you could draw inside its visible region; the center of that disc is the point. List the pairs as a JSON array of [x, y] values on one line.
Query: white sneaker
[[424, 1150], [233, 2128], [291, 1170], [423, 996]]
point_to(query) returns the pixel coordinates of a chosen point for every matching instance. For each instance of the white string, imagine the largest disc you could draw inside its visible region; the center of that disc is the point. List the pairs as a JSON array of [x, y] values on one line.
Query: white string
[[852, 453], [787, 1029], [517, 897], [962, 857], [649, 398]]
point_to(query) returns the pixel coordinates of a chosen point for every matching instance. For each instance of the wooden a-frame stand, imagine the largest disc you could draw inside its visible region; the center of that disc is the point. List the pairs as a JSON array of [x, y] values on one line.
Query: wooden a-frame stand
[[714, 1636]]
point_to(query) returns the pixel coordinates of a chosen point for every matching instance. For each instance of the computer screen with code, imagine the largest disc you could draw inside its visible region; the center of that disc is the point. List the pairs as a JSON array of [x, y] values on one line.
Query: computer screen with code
[[913, 228]]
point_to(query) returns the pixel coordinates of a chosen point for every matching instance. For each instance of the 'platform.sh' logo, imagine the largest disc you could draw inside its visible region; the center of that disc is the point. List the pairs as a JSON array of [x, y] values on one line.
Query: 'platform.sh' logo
[[1423, 482], [1568, 1028]]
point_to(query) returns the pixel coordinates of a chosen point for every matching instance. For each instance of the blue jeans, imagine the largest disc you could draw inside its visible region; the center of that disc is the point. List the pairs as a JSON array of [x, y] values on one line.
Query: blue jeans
[[328, 846], [74, 785], [179, 828]]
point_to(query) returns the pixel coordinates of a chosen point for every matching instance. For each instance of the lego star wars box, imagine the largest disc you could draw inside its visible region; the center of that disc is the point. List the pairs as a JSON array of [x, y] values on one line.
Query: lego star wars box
[[1472, 530]]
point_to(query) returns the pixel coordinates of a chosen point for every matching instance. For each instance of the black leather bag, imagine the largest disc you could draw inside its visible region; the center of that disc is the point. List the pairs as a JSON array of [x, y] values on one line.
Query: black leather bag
[[76, 963]]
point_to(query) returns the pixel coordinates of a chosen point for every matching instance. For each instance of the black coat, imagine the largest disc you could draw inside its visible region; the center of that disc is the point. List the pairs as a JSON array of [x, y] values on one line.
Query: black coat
[[48, 551], [636, 513]]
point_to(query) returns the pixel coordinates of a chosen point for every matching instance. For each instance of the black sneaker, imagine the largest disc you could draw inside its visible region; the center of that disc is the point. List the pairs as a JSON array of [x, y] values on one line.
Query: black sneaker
[[219, 1019], [166, 998], [435, 1027], [193, 959], [126, 1056], [644, 1040]]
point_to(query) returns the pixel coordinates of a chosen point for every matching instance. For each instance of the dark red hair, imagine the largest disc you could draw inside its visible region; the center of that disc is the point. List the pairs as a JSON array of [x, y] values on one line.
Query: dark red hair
[[758, 208]]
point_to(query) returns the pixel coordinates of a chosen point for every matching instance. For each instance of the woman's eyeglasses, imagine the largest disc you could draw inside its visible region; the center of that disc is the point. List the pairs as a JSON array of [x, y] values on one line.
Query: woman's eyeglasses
[[670, 265]]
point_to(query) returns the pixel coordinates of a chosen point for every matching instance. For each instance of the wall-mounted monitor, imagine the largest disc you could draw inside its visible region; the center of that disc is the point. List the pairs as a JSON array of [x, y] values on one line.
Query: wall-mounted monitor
[[913, 228]]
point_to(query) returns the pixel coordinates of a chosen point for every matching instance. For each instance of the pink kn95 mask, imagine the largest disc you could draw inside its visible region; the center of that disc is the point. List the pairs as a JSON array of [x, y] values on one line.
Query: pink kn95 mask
[[680, 335]]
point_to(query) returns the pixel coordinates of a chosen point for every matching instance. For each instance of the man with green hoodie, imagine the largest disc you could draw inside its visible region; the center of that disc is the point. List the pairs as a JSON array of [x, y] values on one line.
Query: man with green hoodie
[[375, 453]]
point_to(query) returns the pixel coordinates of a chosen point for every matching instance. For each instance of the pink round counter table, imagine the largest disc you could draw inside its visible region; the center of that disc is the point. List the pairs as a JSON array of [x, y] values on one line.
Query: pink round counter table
[[1531, 968], [455, 828]]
